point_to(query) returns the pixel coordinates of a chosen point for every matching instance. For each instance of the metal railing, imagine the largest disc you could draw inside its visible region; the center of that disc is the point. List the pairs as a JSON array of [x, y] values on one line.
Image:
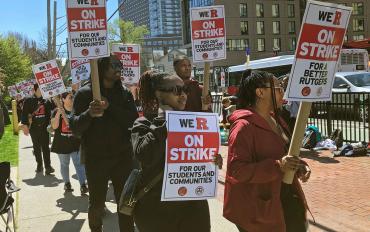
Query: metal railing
[[347, 111]]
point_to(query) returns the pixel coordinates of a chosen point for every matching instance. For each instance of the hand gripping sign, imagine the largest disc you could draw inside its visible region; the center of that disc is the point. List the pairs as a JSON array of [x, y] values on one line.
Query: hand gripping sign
[[208, 33], [80, 70], [311, 79], [129, 55], [49, 79], [192, 142], [87, 28]]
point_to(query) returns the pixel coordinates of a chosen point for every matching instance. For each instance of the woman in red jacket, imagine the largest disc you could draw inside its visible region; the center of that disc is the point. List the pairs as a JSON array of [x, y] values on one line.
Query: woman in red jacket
[[256, 200]]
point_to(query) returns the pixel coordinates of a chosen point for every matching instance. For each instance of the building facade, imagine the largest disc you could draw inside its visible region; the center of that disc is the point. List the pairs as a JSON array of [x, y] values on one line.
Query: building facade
[[268, 27], [136, 11]]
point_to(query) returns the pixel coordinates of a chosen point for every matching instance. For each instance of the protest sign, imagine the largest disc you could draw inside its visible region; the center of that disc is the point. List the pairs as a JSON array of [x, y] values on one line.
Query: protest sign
[[322, 34], [80, 70], [25, 88], [208, 33], [192, 143], [12, 90], [129, 55], [87, 29], [49, 79]]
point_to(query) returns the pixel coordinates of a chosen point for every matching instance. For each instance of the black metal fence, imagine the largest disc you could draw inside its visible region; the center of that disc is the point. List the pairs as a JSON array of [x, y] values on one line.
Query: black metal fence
[[347, 111]]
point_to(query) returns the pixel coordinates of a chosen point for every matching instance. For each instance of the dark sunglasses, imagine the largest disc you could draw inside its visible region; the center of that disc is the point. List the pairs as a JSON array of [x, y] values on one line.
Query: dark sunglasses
[[176, 90]]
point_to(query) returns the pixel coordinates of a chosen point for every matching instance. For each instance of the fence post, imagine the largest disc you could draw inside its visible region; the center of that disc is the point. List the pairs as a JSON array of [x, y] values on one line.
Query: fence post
[[328, 122]]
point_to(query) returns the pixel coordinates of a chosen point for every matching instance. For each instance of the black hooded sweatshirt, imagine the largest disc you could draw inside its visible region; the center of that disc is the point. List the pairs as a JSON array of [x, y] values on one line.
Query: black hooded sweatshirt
[[106, 137]]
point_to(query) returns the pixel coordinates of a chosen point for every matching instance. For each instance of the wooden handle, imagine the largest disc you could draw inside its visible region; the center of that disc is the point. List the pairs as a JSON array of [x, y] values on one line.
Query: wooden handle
[[58, 102], [298, 134], [95, 80], [15, 117], [206, 79]]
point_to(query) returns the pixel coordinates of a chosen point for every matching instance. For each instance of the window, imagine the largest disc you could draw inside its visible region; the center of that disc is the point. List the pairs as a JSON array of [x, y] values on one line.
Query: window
[[260, 28], [292, 44], [291, 27], [276, 43], [358, 37], [358, 25], [260, 45], [276, 27], [275, 10], [236, 44], [358, 8], [244, 27], [339, 83], [259, 10], [243, 10], [291, 10]]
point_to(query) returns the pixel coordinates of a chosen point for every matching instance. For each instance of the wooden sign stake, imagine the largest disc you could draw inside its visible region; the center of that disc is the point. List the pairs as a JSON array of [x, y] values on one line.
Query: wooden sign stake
[[298, 134], [95, 80], [206, 79], [59, 104]]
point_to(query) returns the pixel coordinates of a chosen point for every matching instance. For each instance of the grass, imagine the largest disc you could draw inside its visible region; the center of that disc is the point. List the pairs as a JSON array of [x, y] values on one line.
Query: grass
[[9, 146]]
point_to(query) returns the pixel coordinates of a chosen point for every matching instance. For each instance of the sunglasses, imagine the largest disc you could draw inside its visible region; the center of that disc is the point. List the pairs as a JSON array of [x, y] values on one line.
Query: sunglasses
[[176, 90]]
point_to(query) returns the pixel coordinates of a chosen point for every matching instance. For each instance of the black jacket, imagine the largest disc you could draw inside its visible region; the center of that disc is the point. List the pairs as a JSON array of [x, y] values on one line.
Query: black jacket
[[108, 136], [151, 214], [39, 109]]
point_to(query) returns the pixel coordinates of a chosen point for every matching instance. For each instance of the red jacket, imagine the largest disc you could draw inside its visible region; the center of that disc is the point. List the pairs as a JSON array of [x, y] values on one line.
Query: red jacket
[[253, 177]]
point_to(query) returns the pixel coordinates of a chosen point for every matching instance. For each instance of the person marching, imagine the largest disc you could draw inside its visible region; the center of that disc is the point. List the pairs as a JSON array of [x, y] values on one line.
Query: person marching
[[160, 92], [195, 102], [105, 139], [255, 197], [35, 119], [66, 145]]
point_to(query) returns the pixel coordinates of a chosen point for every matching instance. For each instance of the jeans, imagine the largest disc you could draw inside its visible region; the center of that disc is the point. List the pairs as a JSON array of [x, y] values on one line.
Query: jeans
[[64, 166], [40, 142]]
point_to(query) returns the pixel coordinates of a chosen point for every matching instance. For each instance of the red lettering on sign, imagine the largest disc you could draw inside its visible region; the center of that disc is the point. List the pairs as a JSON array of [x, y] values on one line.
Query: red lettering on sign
[[337, 17]]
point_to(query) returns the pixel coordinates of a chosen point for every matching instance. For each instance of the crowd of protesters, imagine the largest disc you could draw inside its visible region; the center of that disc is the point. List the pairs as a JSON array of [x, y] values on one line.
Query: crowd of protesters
[[106, 139]]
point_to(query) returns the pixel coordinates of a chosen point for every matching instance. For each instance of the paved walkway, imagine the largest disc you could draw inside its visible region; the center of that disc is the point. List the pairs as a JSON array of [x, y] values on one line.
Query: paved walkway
[[44, 207], [338, 192]]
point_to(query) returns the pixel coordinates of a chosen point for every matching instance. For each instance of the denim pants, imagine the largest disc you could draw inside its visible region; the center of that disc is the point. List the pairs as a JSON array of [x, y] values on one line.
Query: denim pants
[[64, 166]]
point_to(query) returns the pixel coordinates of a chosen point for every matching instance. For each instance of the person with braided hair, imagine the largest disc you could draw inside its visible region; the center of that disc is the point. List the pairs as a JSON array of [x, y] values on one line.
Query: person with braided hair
[[160, 92], [255, 197]]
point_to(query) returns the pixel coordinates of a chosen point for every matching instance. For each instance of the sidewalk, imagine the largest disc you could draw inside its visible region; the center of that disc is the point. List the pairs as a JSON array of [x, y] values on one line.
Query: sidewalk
[[338, 192], [43, 206]]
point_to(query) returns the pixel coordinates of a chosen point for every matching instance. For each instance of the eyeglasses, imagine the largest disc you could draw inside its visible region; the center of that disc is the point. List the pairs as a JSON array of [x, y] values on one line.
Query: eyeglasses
[[279, 88], [176, 90], [117, 65]]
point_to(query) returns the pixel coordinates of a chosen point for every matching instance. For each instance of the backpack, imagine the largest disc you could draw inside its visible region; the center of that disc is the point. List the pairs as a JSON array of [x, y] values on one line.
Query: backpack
[[311, 137]]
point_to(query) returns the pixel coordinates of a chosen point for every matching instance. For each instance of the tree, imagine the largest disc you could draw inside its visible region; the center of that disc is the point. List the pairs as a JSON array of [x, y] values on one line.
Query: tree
[[120, 31], [15, 64]]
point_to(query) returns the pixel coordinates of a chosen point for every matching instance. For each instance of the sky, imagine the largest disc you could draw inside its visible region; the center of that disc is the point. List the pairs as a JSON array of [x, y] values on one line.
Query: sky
[[29, 17]]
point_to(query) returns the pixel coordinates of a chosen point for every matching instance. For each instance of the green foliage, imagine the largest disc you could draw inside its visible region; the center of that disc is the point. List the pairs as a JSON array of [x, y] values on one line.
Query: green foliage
[[9, 146], [120, 31], [15, 65]]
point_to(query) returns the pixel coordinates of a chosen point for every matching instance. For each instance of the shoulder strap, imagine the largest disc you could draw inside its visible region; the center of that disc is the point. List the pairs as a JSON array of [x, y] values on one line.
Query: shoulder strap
[[149, 186]]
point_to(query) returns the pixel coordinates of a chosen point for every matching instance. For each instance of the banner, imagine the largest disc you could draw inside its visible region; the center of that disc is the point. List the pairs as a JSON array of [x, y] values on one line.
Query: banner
[[129, 55], [208, 33], [80, 70], [193, 140], [322, 34], [87, 29], [49, 79]]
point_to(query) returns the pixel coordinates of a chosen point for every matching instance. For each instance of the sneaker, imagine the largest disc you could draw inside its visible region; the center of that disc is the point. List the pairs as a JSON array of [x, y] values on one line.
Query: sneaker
[[49, 170], [68, 187], [39, 168], [84, 189]]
